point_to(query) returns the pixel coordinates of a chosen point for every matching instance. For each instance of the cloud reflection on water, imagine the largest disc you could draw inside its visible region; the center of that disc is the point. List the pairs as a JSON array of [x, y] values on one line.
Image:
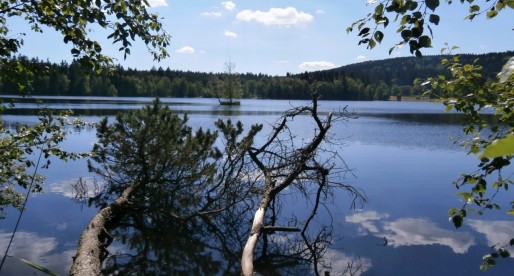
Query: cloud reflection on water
[[37, 249], [496, 232], [410, 231], [414, 231], [88, 187], [367, 221], [346, 264]]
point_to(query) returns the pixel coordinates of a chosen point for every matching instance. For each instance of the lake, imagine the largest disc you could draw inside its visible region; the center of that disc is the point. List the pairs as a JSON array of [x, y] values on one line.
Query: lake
[[401, 156]]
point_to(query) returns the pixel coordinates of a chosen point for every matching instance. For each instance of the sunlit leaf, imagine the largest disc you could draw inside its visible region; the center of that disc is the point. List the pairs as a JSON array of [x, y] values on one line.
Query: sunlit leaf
[[500, 147], [453, 211], [372, 43], [379, 9], [492, 13], [474, 8], [465, 195]]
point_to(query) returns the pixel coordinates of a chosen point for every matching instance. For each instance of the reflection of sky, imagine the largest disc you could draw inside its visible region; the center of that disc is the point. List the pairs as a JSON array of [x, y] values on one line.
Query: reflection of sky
[[496, 232], [339, 262], [402, 162], [36, 249], [67, 187], [411, 231], [367, 221]]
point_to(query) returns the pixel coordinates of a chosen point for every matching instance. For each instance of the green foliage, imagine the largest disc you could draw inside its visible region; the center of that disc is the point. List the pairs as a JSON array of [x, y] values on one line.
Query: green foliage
[[151, 145], [184, 170], [74, 20], [487, 104], [500, 147], [20, 147], [371, 80], [229, 88], [489, 260], [468, 92], [414, 18]]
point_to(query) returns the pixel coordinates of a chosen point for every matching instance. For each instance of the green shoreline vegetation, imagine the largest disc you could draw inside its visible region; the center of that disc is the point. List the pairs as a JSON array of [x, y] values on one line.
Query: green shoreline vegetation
[[388, 79]]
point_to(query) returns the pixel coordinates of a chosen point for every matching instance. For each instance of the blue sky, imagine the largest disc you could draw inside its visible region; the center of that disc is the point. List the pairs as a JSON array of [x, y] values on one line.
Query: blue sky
[[277, 37]]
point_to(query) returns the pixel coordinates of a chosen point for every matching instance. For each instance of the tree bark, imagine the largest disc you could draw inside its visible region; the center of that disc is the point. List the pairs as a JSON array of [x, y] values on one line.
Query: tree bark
[[272, 189], [95, 239], [255, 232]]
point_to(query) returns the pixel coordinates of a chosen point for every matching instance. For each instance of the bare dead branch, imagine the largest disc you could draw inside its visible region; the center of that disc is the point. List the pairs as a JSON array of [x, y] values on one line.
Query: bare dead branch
[[270, 229]]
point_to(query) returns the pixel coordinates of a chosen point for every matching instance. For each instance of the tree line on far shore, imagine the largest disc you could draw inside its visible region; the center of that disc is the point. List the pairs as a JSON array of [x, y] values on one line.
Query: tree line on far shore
[[365, 81]]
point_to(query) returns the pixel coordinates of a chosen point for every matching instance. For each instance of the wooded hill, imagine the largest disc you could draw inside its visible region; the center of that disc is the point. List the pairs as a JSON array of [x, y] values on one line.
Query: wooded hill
[[370, 80]]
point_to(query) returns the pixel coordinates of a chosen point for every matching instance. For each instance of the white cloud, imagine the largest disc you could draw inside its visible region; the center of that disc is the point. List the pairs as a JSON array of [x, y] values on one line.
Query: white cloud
[[316, 65], [285, 17], [230, 34], [320, 11], [157, 3], [361, 58], [186, 50], [213, 14], [228, 5]]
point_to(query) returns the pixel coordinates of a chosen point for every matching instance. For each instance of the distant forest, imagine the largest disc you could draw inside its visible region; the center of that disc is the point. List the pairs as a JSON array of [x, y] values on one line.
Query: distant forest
[[370, 80]]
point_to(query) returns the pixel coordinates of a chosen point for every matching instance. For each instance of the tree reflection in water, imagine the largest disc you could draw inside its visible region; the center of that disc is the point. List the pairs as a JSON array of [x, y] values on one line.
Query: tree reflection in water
[[148, 241], [176, 203]]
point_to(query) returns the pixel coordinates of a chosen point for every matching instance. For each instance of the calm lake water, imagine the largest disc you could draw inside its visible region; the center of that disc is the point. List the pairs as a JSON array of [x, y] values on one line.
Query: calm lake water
[[401, 156]]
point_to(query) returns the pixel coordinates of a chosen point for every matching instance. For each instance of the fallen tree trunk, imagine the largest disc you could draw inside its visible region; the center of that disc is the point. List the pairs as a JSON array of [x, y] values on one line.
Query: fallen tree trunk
[[297, 164], [95, 238], [255, 233]]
